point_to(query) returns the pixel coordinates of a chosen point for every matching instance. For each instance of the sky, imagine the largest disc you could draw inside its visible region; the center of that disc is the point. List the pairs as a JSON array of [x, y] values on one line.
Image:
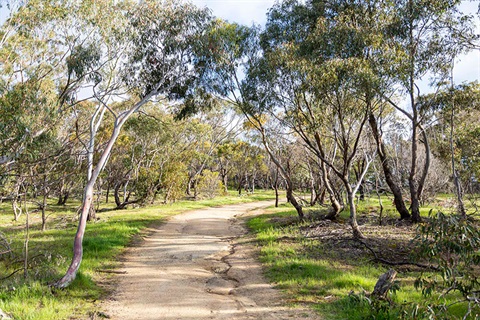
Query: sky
[[467, 67], [240, 11]]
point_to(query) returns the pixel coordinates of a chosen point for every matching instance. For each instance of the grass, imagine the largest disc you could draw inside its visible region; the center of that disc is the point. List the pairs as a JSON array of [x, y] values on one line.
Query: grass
[[50, 254], [317, 263]]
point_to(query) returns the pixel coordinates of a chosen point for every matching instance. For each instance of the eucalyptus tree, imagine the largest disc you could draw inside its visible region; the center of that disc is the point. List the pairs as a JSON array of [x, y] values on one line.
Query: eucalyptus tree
[[457, 111], [321, 81], [32, 87], [226, 79], [422, 39], [27, 87], [154, 58]]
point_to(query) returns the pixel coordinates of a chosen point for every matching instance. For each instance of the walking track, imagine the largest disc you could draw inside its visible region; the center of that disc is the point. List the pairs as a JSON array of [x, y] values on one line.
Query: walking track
[[199, 265]]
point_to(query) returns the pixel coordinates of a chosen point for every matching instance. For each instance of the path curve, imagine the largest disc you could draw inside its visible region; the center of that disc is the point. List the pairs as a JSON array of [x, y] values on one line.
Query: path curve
[[198, 266]]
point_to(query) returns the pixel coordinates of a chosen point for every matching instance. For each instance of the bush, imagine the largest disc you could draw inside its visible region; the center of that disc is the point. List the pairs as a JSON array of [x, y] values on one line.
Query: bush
[[452, 244], [209, 185]]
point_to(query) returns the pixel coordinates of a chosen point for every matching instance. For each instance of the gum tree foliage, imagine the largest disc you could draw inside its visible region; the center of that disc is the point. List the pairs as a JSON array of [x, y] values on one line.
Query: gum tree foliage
[[422, 39], [451, 243], [29, 77]]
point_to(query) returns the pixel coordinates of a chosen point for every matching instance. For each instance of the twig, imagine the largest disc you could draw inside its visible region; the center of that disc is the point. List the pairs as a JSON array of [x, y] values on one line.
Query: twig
[[112, 271], [11, 274]]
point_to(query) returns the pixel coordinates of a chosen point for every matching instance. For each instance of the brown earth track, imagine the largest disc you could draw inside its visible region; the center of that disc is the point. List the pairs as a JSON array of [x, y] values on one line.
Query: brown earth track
[[199, 265]]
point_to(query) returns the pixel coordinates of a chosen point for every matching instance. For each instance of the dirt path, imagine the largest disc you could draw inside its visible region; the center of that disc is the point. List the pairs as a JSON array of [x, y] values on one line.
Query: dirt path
[[197, 266]]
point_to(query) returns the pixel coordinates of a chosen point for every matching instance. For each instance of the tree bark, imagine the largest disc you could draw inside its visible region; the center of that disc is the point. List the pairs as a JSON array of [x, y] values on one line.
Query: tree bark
[[337, 207], [44, 207], [291, 198], [275, 186], [357, 234], [116, 194], [78, 241], [387, 170], [412, 183], [88, 194], [426, 166]]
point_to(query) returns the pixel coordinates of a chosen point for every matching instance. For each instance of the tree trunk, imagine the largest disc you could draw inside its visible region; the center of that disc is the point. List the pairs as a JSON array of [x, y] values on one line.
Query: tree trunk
[[412, 183], [380, 214], [387, 170], [275, 186], [66, 196], [116, 194], [92, 214], [313, 193], [107, 192], [27, 239], [189, 186], [426, 166], [239, 188], [321, 196], [361, 191], [63, 197], [78, 241], [17, 210], [225, 180], [88, 193], [44, 216], [195, 189], [337, 207], [357, 234], [291, 198], [60, 200]]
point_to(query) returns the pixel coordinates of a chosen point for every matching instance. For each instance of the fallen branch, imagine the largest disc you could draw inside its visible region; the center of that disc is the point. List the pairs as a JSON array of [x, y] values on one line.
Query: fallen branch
[[396, 263]]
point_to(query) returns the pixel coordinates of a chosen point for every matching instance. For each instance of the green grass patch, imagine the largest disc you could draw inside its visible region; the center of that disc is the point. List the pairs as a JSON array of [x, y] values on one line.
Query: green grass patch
[[323, 270]]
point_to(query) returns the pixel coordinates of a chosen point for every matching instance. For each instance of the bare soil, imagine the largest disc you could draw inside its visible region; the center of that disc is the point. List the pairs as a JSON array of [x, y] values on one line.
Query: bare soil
[[198, 265]]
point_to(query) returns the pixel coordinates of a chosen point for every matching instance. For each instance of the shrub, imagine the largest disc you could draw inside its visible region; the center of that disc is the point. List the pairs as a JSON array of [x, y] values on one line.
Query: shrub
[[209, 185]]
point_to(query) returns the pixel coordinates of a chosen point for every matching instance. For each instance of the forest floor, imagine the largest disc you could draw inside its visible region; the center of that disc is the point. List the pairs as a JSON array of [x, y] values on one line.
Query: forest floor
[[198, 265]]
